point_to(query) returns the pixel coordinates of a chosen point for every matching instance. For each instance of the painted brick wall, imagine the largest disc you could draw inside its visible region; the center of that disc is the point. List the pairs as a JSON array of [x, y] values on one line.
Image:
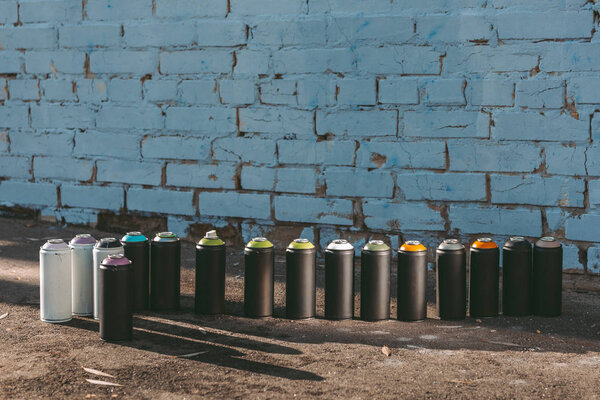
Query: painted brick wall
[[361, 118]]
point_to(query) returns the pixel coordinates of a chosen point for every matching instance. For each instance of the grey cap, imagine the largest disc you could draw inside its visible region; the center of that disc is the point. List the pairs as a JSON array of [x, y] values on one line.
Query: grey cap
[[451, 244], [547, 242], [340, 244]]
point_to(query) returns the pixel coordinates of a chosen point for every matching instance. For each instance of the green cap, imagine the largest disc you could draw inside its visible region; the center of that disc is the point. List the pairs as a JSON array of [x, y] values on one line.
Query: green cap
[[259, 243], [376, 245], [211, 239], [165, 237], [301, 244]]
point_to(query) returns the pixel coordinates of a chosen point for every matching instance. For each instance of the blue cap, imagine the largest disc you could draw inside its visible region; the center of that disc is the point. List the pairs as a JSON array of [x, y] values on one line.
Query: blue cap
[[134, 237]]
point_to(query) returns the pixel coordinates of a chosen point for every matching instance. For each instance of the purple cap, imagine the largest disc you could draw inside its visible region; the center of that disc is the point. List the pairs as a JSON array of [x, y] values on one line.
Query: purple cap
[[116, 260], [82, 239], [55, 245]]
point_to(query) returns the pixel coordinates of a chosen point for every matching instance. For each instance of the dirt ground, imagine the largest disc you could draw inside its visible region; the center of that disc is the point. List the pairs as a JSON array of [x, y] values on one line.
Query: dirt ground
[[276, 358]]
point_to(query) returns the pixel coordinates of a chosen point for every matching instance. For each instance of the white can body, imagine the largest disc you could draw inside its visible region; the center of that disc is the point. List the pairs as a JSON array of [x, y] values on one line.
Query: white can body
[[82, 267], [99, 255], [55, 285]]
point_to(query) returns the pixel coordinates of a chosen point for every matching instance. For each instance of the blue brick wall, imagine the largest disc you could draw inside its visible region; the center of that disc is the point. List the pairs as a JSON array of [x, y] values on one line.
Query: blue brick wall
[[392, 119]]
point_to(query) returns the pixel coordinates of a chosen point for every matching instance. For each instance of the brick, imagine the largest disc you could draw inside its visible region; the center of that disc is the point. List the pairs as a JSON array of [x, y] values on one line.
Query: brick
[[398, 91], [356, 92], [584, 90], [75, 216], [220, 33], [49, 11], [491, 92], [196, 61], [594, 192], [207, 120], [468, 156], [593, 256], [278, 91], [565, 160], [43, 143], [160, 90], [124, 62], [378, 29], [131, 172], [46, 62], [238, 92], [494, 220], [160, 34], [381, 214], [268, 7], [537, 190], [11, 62], [62, 168], [585, 227], [176, 147], [24, 89], [556, 218], [401, 155], [198, 91], [108, 10], [571, 56], [544, 25], [232, 204], [257, 178], [486, 59], [28, 193], [14, 116], [125, 90], [357, 123], [91, 90], [571, 257], [212, 176], [58, 90], [4, 142], [100, 197], [252, 62], [28, 37], [313, 210], [540, 93], [161, 201], [8, 12], [296, 180], [179, 226], [15, 167], [276, 120], [443, 92], [260, 151], [454, 28], [592, 160], [289, 32], [447, 186], [299, 61], [93, 143], [313, 93], [89, 36], [405, 60], [349, 6], [329, 152], [127, 117], [358, 182], [551, 126], [190, 8], [438, 124]]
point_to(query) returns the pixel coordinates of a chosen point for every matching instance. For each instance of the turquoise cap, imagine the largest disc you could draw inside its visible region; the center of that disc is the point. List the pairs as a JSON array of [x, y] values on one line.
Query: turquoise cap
[[134, 237]]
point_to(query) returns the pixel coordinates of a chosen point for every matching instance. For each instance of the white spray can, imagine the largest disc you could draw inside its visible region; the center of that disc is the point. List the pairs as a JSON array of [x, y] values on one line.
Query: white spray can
[[82, 274], [55, 281], [102, 249]]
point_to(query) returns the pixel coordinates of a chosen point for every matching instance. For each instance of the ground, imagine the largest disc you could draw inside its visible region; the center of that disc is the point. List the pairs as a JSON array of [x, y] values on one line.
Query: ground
[[277, 358]]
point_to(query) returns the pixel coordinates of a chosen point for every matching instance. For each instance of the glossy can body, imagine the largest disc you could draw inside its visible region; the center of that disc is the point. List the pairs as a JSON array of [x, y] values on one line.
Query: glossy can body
[[547, 278], [55, 282], [210, 276], [451, 280], [300, 289], [484, 282], [165, 272], [375, 281], [103, 248], [258, 279], [516, 277], [116, 298], [136, 248], [339, 280], [412, 282], [82, 275]]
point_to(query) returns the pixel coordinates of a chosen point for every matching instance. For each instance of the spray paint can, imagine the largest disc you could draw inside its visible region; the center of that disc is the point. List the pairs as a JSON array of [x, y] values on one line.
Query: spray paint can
[[412, 281], [484, 278], [55, 281], [375, 281], [210, 275], [82, 274], [116, 298], [136, 248], [339, 280], [300, 281], [516, 277], [547, 277], [259, 259], [451, 278], [103, 248], [165, 272]]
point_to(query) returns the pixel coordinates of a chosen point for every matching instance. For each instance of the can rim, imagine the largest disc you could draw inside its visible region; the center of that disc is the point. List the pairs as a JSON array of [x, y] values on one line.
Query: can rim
[[518, 238], [259, 243]]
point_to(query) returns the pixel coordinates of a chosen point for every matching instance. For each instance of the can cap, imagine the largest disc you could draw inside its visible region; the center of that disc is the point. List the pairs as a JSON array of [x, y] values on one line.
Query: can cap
[[484, 243], [301, 244], [135, 236], [547, 242], [116, 260], [107, 243], [376, 245], [211, 239], [82, 239], [451, 244], [517, 243], [340, 244], [413, 245], [259, 243], [55, 245], [166, 237]]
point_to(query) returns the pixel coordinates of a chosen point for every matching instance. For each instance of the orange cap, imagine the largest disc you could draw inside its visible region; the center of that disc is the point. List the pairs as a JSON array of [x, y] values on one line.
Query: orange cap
[[484, 243], [413, 245]]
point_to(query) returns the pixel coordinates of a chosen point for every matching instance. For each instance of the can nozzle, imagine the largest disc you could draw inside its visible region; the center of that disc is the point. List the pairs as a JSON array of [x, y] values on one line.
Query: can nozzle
[[211, 235]]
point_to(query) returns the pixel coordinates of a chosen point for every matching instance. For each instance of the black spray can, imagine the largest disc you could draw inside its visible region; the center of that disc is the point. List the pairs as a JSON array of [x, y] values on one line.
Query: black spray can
[[137, 249], [210, 275], [165, 272], [484, 278], [516, 277], [116, 298], [412, 281], [339, 280], [259, 258], [300, 290], [451, 279], [375, 281], [547, 277]]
